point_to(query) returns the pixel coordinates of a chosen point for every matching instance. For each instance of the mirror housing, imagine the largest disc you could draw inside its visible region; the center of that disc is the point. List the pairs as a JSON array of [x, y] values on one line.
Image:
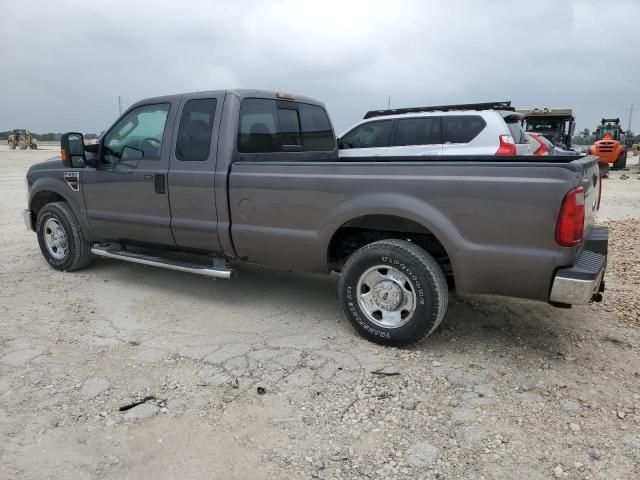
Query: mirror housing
[[72, 150]]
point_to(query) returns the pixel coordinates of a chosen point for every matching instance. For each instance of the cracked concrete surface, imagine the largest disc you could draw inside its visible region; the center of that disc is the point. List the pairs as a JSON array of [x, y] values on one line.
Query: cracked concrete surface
[[490, 395]]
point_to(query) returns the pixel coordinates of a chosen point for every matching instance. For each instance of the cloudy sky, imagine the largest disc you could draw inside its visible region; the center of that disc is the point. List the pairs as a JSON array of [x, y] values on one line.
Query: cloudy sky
[[66, 62]]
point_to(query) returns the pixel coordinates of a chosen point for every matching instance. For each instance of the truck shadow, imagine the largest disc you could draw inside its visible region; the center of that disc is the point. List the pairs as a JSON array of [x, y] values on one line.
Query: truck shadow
[[310, 303]]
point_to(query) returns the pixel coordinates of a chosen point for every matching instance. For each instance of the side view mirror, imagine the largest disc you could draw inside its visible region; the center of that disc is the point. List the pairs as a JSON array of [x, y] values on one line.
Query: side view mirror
[[72, 150]]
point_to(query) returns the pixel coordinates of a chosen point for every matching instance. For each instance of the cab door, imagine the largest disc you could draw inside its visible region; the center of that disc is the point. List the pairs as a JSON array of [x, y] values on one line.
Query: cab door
[[126, 193], [194, 220]]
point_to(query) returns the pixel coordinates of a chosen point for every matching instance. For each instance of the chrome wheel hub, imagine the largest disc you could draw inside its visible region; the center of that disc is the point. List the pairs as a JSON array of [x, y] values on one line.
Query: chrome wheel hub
[[55, 238], [386, 296]]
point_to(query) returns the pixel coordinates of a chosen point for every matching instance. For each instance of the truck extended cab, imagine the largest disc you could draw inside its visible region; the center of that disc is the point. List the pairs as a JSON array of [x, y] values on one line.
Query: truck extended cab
[[203, 182]]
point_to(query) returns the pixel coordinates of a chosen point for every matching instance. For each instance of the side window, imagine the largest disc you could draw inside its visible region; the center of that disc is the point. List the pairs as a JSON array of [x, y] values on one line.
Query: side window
[[368, 135], [317, 134], [194, 133], [138, 135], [257, 132], [417, 131], [461, 128]]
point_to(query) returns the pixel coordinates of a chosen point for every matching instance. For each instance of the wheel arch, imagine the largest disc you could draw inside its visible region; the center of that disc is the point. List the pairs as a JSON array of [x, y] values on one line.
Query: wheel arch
[[48, 190], [392, 216]]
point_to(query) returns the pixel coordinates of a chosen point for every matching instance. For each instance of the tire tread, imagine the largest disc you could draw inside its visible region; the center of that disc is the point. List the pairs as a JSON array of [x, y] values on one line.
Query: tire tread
[[421, 257]]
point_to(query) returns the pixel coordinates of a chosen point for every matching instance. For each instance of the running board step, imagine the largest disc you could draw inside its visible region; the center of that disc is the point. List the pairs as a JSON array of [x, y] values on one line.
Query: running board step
[[207, 271]]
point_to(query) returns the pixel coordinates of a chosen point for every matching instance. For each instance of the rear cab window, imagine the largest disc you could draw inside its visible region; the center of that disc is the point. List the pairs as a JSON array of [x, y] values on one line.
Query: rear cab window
[[461, 128], [268, 126]]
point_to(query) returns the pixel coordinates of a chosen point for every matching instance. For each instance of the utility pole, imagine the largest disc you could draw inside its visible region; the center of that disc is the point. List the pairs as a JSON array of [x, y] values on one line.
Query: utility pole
[[630, 117], [120, 104], [388, 103]]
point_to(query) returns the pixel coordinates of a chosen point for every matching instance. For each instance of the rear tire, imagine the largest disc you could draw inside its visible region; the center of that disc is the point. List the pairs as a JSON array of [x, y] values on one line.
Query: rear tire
[[22, 145], [393, 292], [61, 239]]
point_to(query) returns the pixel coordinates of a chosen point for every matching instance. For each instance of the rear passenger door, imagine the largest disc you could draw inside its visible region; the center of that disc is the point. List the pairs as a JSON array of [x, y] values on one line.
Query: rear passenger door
[[417, 136], [194, 222], [367, 139]]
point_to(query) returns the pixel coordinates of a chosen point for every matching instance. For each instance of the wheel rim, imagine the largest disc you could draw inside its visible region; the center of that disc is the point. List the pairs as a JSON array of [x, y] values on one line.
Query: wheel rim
[[386, 296], [55, 238]]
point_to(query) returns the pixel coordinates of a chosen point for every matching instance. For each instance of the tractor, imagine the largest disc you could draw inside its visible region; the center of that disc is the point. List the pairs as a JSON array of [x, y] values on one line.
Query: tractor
[[22, 139], [608, 146]]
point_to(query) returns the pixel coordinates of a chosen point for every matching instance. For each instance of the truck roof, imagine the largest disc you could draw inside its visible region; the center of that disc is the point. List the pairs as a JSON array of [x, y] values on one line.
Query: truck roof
[[240, 93], [546, 112]]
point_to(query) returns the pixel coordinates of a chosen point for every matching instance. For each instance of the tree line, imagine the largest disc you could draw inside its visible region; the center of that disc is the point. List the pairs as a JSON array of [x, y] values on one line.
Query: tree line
[[46, 137], [586, 137]]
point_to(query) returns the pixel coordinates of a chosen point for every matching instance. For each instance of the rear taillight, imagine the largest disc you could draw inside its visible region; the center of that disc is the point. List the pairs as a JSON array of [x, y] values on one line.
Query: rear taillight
[[507, 146], [570, 228], [543, 149]]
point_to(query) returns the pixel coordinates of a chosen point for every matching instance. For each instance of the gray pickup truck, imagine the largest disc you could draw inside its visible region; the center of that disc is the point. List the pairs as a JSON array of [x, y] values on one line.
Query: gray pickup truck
[[205, 181]]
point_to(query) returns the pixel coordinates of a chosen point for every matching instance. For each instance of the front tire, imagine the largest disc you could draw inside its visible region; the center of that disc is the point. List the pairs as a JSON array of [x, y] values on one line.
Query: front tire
[[12, 145], [393, 292], [61, 239], [621, 162]]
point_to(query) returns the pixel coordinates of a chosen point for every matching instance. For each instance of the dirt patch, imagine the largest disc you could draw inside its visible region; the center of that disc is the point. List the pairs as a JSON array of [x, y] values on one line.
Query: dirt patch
[[623, 272]]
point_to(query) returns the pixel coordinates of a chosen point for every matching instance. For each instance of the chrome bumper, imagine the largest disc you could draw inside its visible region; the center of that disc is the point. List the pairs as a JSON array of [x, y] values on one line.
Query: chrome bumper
[[579, 284], [28, 219]]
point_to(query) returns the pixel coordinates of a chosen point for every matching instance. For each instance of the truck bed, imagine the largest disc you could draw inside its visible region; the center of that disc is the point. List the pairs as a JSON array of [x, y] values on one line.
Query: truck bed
[[495, 216]]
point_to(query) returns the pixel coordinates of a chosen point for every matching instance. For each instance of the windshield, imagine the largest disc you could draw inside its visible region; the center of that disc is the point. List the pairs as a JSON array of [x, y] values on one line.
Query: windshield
[[614, 130], [544, 125]]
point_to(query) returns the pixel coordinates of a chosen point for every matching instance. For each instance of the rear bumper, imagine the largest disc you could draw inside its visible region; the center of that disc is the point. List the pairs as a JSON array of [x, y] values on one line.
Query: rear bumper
[[577, 285], [28, 219]]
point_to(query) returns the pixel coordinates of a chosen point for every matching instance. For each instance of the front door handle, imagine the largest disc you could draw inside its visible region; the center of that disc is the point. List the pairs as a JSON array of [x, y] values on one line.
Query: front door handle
[[159, 183]]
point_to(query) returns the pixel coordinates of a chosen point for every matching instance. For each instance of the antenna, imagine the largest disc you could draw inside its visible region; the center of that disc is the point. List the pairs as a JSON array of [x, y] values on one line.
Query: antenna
[[120, 104]]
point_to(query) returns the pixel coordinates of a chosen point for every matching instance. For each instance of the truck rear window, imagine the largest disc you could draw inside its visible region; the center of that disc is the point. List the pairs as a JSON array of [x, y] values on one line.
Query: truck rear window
[[266, 127]]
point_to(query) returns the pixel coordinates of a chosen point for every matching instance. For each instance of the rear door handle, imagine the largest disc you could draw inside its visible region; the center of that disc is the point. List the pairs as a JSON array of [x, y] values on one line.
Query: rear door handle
[[159, 183]]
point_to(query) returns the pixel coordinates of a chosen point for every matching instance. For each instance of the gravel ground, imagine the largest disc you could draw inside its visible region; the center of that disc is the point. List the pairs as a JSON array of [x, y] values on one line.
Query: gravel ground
[[123, 371]]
